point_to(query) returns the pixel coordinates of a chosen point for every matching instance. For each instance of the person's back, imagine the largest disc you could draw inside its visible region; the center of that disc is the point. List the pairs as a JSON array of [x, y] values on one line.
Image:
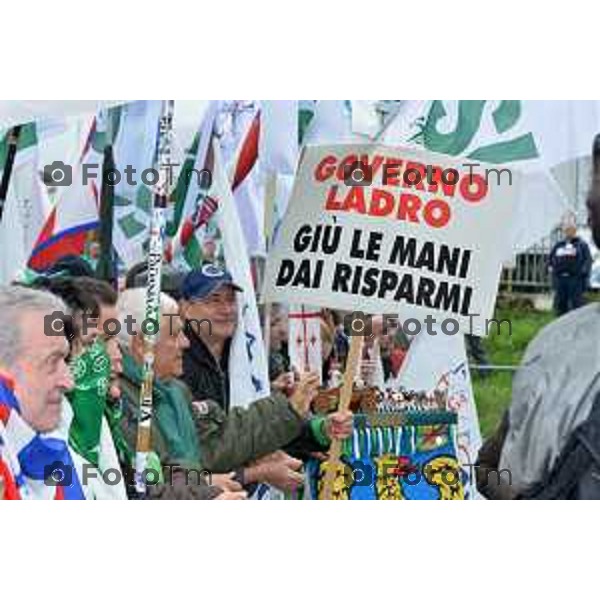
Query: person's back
[[576, 473], [553, 396], [553, 393]]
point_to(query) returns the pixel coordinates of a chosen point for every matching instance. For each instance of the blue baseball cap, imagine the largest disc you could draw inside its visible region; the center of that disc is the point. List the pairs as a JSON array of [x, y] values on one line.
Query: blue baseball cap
[[200, 283]]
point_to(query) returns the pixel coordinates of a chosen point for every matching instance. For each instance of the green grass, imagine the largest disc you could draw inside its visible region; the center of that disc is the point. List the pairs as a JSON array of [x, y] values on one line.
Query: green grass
[[493, 393]]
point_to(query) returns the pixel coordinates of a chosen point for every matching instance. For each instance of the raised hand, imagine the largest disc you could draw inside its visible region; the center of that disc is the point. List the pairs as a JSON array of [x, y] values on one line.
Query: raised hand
[[338, 425], [304, 392]]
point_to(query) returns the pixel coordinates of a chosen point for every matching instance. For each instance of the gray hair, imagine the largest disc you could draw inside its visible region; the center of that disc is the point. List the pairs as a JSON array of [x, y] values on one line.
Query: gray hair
[[132, 305], [279, 310], [15, 301]]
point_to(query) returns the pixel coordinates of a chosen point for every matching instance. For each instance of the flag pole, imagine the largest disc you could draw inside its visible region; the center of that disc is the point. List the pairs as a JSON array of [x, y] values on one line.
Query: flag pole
[[270, 193], [155, 257], [352, 362], [106, 265], [13, 140]]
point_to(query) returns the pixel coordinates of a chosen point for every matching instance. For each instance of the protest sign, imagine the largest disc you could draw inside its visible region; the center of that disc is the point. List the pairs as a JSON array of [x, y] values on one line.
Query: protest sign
[[394, 230]]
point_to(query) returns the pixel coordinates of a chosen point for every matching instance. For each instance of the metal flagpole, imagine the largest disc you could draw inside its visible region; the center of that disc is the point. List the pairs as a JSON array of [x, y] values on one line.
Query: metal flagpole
[[152, 315], [106, 264], [270, 193], [13, 140]]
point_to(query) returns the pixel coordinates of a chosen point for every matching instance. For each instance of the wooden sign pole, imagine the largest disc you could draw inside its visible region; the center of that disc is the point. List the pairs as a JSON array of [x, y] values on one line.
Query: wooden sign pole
[[335, 450]]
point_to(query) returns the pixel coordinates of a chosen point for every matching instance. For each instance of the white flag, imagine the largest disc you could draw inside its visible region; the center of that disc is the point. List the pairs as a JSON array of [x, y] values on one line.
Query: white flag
[[331, 123], [279, 136], [441, 360], [26, 207], [135, 147], [194, 210], [531, 136], [249, 374], [304, 345], [240, 144], [14, 112]]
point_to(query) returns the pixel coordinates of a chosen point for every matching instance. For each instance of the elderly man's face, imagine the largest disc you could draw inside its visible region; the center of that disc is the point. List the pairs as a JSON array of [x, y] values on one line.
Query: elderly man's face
[[41, 373], [219, 308], [169, 349]]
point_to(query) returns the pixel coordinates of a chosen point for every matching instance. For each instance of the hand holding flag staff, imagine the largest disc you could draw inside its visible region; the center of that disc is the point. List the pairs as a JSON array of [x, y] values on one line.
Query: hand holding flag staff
[[155, 255], [321, 255]]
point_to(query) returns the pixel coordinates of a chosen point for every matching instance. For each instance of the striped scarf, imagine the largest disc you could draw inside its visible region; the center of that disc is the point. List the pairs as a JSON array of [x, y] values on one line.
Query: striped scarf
[[40, 466]]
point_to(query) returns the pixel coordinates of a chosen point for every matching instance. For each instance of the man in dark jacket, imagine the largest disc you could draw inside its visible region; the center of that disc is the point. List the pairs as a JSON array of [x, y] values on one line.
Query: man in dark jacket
[[570, 263], [209, 305]]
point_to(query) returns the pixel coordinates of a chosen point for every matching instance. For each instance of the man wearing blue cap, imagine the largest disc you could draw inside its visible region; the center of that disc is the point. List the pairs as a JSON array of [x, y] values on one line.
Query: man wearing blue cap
[[209, 306]]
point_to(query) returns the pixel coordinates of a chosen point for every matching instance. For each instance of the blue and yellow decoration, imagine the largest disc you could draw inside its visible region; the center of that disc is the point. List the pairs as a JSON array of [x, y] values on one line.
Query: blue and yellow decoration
[[400, 456]]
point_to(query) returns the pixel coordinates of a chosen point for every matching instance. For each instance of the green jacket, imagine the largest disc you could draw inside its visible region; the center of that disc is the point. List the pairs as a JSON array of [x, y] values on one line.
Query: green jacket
[[208, 379], [174, 437], [199, 432], [230, 441]]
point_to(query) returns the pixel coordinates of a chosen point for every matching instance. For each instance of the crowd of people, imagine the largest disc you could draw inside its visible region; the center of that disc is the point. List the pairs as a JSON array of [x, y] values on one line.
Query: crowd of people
[[70, 391], [72, 365]]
